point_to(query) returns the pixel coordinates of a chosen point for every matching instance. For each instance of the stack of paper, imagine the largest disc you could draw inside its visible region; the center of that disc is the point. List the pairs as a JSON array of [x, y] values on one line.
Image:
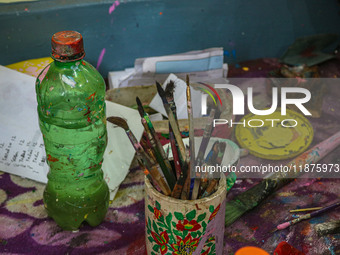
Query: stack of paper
[[203, 65]]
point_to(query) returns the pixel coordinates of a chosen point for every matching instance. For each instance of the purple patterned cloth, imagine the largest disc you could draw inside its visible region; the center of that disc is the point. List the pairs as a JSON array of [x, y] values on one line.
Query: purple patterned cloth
[[26, 229]]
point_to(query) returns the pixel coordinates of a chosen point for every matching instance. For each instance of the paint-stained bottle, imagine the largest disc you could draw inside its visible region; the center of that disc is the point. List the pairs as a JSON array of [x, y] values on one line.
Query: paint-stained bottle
[[71, 107]]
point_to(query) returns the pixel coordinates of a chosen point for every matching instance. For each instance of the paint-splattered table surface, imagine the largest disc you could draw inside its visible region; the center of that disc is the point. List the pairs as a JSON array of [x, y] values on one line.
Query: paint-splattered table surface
[[25, 228], [255, 228]]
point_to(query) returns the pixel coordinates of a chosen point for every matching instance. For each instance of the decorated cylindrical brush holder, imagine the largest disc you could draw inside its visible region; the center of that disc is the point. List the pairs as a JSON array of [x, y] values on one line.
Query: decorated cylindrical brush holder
[[190, 227]]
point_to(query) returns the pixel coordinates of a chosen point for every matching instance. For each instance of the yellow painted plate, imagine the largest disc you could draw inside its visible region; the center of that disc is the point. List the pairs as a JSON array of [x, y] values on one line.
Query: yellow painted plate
[[272, 140]]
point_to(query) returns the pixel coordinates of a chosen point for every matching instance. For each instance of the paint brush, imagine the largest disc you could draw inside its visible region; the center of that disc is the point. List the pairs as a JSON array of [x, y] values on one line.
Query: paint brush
[[167, 171], [145, 116], [147, 149], [186, 187], [169, 94], [177, 191], [210, 189], [147, 174], [305, 209], [191, 179], [201, 151], [212, 184], [147, 161], [173, 122], [156, 146], [254, 196], [175, 155], [308, 216], [185, 195], [208, 161], [206, 138]]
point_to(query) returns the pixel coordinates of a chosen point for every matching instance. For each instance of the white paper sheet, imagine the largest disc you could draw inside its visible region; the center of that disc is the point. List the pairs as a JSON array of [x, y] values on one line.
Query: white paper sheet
[[119, 151], [22, 149]]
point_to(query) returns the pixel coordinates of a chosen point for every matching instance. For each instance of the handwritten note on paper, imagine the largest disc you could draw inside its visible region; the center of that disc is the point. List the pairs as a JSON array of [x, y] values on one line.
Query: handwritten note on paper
[[22, 150], [24, 158], [21, 145]]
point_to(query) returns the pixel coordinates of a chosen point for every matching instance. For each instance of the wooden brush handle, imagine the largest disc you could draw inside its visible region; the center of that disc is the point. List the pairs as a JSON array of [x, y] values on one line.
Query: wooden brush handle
[[177, 191], [160, 180]]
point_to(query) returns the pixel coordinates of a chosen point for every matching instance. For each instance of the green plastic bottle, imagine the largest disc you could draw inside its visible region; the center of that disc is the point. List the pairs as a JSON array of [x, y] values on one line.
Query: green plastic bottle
[[71, 107]]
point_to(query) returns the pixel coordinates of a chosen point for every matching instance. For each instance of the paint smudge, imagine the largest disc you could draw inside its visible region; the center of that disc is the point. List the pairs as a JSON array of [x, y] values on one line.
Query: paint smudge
[[51, 159], [233, 55], [286, 194], [288, 200], [254, 228], [317, 220], [100, 59], [330, 246], [233, 52], [306, 230], [92, 96], [113, 6]]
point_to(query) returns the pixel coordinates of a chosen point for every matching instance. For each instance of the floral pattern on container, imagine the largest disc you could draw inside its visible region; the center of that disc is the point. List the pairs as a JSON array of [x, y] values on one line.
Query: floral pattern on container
[[178, 234]]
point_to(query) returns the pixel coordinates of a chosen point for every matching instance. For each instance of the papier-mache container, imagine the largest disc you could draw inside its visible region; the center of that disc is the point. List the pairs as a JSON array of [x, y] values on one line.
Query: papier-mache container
[[182, 227]]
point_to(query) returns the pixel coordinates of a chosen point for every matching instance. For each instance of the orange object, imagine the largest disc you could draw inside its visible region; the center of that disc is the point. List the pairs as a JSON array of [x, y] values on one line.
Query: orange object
[[250, 250]]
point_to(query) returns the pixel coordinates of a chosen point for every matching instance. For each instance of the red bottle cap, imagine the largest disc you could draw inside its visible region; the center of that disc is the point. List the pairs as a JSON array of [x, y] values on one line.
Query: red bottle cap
[[67, 46]]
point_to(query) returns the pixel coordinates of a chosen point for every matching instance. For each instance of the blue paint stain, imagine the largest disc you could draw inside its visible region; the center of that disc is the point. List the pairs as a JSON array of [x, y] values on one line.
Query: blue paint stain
[[233, 52], [287, 200], [331, 247], [317, 220]]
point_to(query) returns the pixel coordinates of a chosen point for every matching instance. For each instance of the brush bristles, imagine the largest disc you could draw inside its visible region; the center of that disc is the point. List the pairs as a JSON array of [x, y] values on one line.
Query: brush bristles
[[233, 211], [120, 122], [169, 89], [139, 103], [160, 90], [140, 107]]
